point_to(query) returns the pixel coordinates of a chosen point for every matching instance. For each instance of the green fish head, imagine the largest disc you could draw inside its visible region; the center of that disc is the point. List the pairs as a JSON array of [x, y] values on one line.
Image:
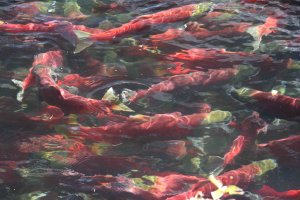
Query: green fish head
[[243, 94], [265, 165], [217, 116], [245, 71], [202, 8]]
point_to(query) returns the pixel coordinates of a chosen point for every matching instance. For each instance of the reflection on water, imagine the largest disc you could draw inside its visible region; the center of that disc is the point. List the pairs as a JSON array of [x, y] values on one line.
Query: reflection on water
[[149, 99]]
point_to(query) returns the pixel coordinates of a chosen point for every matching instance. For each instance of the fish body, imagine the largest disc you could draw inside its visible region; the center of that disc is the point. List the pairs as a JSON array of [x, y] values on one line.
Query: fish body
[[276, 105], [171, 125], [192, 79]]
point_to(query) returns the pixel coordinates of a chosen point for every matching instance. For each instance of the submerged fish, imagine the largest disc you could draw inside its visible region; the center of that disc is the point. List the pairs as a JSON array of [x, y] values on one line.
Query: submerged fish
[[271, 103], [141, 22], [220, 58], [286, 150], [231, 182], [269, 193], [168, 185], [249, 129], [47, 10], [170, 126], [42, 74], [199, 78]]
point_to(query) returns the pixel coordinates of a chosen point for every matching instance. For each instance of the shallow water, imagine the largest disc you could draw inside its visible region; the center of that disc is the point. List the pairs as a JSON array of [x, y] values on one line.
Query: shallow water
[[45, 159]]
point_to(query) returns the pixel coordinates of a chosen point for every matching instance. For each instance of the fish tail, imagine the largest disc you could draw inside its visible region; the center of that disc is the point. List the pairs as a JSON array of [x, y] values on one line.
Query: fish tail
[[83, 41], [116, 104]]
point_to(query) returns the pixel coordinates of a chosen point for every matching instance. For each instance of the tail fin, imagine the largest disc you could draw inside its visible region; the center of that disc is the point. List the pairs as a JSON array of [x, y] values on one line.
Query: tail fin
[[20, 94], [83, 41], [223, 189], [111, 96], [127, 94], [26, 83], [257, 32], [254, 32]]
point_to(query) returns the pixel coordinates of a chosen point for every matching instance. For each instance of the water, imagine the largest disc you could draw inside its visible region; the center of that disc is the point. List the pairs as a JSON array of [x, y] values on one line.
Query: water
[[51, 152]]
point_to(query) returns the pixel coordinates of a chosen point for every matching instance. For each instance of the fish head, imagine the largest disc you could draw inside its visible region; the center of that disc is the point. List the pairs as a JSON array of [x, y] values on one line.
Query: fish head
[[245, 72], [202, 8], [254, 124], [243, 94]]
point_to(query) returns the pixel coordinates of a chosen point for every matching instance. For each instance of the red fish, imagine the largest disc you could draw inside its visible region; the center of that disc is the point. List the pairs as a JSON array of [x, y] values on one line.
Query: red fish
[[83, 83], [173, 125], [237, 147], [49, 90], [72, 152], [249, 130], [30, 27], [217, 58], [274, 104], [148, 187], [50, 26], [36, 144], [196, 30], [286, 151], [168, 16], [144, 21], [47, 116], [170, 34], [179, 69], [257, 32], [62, 28], [176, 186], [269, 193], [192, 79], [56, 148], [241, 177], [266, 28], [51, 58], [216, 55]]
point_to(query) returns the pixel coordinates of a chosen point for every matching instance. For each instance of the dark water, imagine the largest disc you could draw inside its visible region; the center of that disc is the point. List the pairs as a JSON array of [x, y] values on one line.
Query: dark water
[[55, 160]]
